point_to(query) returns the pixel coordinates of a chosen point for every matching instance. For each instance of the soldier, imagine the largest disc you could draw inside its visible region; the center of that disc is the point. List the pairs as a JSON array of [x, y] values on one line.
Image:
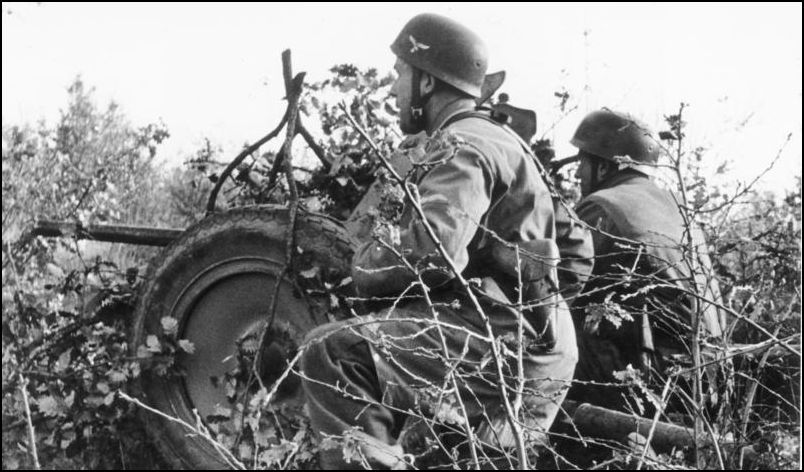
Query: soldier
[[480, 192], [572, 236], [640, 241]]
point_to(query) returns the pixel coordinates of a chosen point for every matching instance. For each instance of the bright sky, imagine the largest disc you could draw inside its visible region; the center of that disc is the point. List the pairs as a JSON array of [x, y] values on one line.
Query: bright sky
[[214, 70]]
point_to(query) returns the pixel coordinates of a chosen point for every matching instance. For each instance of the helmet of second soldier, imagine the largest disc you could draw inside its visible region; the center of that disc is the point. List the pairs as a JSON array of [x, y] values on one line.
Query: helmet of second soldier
[[445, 49], [619, 138]]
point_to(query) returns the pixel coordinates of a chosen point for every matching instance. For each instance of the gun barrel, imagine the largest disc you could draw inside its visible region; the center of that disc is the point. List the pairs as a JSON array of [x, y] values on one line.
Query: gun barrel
[[141, 235]]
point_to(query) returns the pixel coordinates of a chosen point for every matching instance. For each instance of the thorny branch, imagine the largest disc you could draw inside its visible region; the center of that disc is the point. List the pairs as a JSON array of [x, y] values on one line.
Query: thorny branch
[[31, 435], [293, 89], [773, 344], [213, 195], [749, 400], [451, 376], [199, 429]]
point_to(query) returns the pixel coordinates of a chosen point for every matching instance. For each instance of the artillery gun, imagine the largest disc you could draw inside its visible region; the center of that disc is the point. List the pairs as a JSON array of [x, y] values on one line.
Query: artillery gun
[[231, 283]]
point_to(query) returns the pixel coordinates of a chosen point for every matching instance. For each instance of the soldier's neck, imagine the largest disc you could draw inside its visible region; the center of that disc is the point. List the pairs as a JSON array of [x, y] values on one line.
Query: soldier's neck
[[443, 106]]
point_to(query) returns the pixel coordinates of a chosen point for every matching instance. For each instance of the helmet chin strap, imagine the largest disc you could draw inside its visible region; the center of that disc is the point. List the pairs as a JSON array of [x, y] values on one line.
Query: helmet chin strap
[[418, 101], [595, 180]]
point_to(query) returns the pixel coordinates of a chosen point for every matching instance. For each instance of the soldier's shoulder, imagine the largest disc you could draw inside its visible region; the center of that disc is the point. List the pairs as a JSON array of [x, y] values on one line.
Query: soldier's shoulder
[[590, 204], [487, 138], [600, 199], [626, 195], [478, 130], [598, 206], [470, 136]]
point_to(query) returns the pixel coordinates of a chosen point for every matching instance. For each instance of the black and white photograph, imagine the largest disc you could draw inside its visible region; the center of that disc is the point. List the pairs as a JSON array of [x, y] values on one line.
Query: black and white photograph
[[398, 236]]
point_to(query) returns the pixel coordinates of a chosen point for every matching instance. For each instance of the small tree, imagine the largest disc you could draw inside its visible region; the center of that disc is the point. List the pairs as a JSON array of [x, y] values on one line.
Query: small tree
[[62, 346]]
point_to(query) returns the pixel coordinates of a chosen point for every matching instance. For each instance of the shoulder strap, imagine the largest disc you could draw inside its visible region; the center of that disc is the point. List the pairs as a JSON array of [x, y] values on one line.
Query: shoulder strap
[[476, 113], [488, 117]]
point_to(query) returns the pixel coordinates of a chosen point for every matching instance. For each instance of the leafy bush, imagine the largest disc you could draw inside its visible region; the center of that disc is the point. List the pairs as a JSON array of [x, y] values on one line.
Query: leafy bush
[[66, 304]]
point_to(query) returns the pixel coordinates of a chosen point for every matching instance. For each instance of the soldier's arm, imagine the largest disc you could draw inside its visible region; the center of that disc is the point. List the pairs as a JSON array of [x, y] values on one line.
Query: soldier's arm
[[454, 197], [615, 255], [575, 245], [600, 226]]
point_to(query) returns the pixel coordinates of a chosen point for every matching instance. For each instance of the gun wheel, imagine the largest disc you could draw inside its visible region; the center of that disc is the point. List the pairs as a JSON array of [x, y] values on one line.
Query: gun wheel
[[218, 282]]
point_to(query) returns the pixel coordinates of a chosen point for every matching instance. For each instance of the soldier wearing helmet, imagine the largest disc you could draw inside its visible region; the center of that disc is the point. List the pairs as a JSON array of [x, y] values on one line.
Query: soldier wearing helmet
[[435, 53], [481, 194], [639, 239], [610, 141]]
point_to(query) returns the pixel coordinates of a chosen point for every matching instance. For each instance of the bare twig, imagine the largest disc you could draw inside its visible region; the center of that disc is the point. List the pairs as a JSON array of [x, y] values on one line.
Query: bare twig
[[688, 260], [748, 351], [656, 416], [317, 149], [267, 400], [213, 195], [559, 120], [230, 459], [732, 312], [749, 400], [293, 89], [451, 377], [31, 435], [520, 335], [747, 187]]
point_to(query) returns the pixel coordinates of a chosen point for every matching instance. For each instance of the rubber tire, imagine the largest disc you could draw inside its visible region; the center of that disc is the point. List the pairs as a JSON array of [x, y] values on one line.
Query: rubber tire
[[256, 235]]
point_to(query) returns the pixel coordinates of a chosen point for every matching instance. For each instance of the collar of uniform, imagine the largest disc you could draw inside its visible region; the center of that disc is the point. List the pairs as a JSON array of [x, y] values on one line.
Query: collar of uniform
[[622, 177], [452, 109]]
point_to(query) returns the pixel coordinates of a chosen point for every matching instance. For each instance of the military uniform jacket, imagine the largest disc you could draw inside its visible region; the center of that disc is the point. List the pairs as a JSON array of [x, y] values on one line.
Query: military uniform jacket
[[482, 185], [637, 227]]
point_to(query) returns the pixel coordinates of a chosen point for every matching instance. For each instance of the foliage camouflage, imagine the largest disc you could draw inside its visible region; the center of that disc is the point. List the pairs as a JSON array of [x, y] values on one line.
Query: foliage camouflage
[[66, 304]]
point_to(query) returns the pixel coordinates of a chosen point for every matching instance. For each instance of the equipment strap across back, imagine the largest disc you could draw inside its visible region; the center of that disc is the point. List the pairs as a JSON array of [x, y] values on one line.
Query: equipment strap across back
[[502, 124]]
